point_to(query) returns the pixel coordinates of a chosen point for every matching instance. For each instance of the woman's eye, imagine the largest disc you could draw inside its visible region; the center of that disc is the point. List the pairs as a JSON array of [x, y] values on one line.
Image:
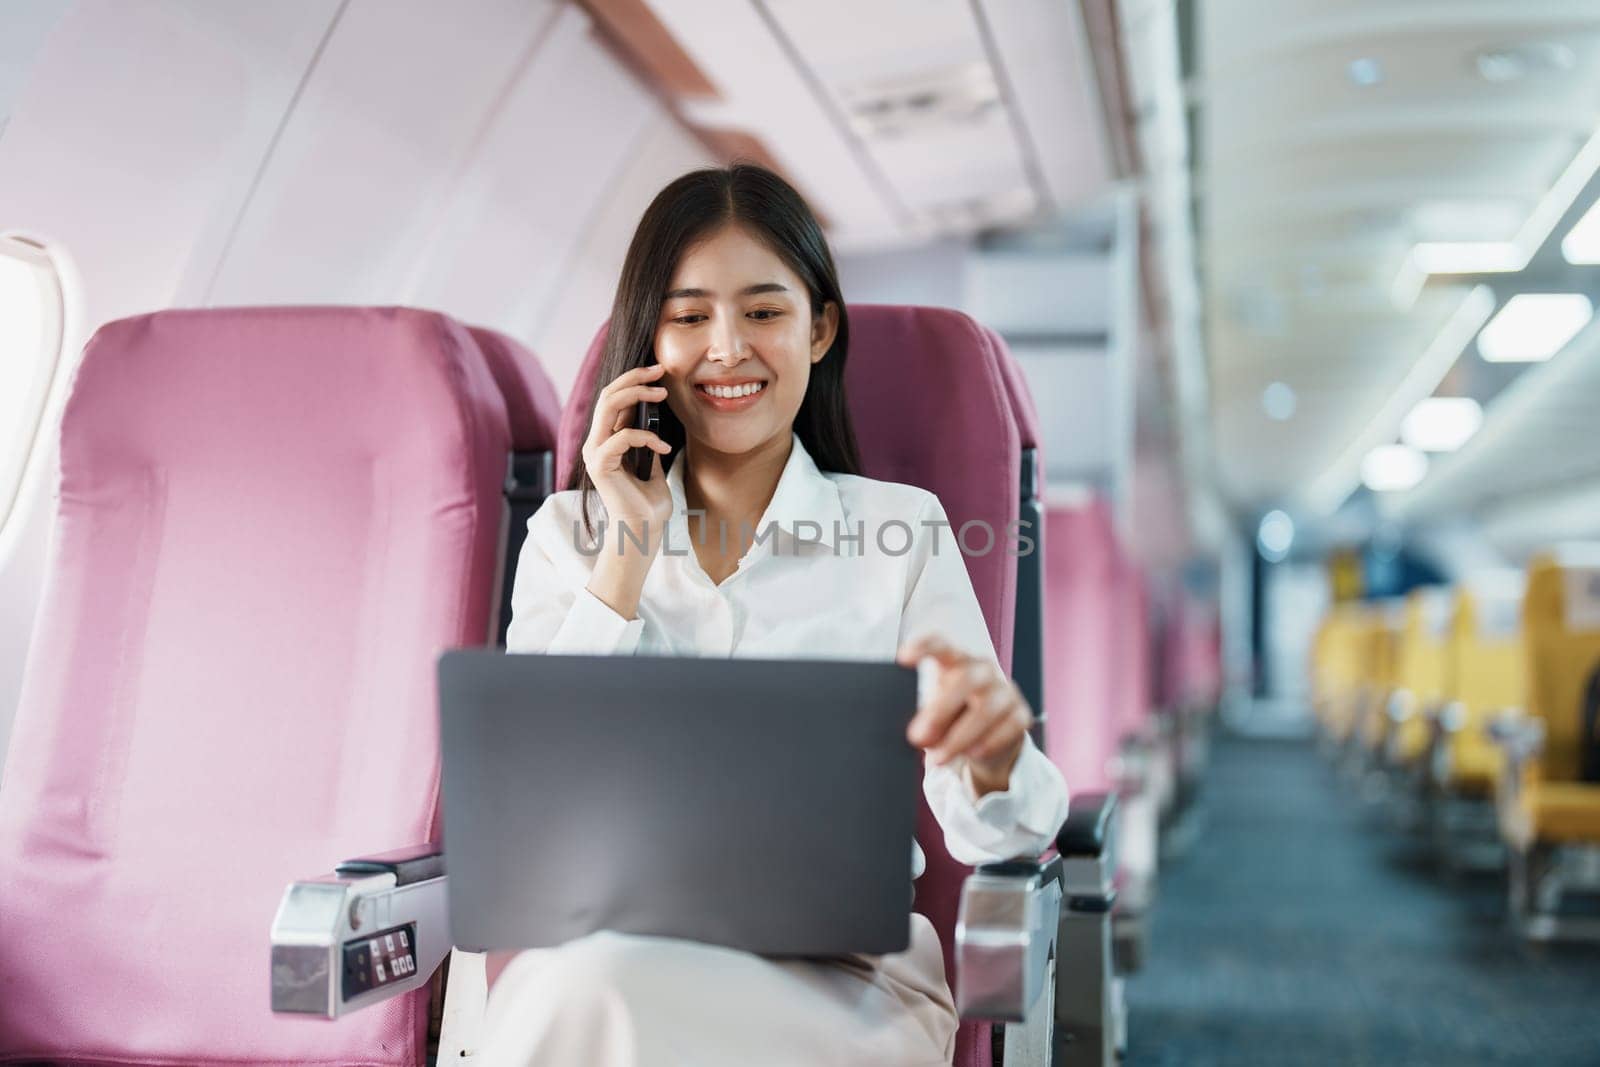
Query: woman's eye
[[767, 313], [688, 320]]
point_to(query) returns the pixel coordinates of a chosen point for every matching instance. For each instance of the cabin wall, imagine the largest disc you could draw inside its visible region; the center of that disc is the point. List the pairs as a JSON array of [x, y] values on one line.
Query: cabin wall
[[491, 165]]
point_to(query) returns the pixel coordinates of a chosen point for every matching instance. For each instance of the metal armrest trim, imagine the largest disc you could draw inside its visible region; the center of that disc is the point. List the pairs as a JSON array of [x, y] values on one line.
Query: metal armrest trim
[[361, 902], [1005, 938]]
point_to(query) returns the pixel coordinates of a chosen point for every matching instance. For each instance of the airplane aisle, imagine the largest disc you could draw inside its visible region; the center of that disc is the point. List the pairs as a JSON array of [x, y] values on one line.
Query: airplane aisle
[[1292, 933]]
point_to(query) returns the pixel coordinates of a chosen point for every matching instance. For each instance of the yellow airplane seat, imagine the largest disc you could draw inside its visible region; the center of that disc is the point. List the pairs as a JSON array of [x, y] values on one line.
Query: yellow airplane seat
[[1424, 673], [1486, 650], [1548, 794], [1380, 678], [1333, 669]]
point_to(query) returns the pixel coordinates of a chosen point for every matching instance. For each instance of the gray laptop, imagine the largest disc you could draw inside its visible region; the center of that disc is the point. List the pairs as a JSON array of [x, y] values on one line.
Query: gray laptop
[[763, 805]]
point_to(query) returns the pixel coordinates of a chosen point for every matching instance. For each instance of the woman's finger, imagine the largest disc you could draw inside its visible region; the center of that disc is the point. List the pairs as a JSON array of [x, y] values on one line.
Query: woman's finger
[[1002, 737], [930, 645], [955, 685], [983, 710], [1013, 720], [638, 375], [617, 445], [611, 411]]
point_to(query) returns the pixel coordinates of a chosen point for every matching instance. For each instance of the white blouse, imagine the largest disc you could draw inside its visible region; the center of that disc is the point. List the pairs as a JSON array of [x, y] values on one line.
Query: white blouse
[[814, 590]]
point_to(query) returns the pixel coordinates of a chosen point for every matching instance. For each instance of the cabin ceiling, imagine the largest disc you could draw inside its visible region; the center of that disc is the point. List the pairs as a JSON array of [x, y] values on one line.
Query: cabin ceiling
[[26, 26], [1332, 138], [927, 119]]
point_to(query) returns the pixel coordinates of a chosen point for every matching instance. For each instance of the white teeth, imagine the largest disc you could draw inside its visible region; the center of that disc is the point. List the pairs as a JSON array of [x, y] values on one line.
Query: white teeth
[[730, 392]]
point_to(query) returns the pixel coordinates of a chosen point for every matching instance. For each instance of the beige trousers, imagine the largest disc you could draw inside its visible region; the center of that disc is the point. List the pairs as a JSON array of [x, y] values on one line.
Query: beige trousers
[[622, 1000]]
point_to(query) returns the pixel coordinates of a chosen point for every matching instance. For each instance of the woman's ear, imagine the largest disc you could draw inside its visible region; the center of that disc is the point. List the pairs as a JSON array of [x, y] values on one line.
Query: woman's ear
[[823, 329]]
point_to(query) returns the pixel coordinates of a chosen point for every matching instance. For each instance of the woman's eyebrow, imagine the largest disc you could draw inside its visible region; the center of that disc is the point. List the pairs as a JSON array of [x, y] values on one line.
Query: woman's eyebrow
[[749, 290]]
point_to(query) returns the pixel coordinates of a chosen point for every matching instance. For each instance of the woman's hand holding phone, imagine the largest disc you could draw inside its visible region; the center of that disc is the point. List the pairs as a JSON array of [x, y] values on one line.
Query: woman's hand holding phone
[[974, 711], [612, 436], [642, 506]]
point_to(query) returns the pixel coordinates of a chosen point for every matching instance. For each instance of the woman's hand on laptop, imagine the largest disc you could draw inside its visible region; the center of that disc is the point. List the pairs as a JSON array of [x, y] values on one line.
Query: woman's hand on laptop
[[974, 711]]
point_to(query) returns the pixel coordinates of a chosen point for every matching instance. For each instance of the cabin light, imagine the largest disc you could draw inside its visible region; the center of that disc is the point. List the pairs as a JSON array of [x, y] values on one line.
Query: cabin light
[[1581, 245], [1532, 327], [1441, 423], [1491, 257], [1393, 468], [1278, 401], [1365, 72], [1275, 535], [1515, 62], [1467, 257]]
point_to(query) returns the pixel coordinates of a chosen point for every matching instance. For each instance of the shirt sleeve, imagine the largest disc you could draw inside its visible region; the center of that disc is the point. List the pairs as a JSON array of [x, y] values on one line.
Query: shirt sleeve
[[1023, 819], [551, 609]]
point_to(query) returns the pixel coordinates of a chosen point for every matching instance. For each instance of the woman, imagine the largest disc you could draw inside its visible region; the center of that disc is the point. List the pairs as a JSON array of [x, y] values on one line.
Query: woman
[[729, 317]]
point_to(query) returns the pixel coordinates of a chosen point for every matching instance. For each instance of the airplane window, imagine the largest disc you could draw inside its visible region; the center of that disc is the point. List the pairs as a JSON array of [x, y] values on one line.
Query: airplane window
[[30, 346]]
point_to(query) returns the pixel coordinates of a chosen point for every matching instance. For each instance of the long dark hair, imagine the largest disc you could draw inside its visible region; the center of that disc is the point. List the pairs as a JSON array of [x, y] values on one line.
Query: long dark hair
[[686, 211]]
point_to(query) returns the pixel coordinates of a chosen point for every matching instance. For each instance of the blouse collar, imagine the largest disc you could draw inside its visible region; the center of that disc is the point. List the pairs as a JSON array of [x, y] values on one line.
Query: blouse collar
[[803, 495]]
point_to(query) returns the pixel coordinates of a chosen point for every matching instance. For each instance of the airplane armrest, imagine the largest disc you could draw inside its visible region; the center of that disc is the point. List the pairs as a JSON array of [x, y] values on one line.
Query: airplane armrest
[[1519, 736], [1012, 914], [1087, 831], [1520, 739], [1005, 934], [1450, 716], [374, 927]]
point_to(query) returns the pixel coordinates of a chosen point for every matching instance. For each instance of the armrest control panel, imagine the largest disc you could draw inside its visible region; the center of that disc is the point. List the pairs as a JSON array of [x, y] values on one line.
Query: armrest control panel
[[386, 957]]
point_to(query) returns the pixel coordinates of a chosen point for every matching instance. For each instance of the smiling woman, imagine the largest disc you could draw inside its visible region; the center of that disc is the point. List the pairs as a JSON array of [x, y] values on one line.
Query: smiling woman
[[729, 317]]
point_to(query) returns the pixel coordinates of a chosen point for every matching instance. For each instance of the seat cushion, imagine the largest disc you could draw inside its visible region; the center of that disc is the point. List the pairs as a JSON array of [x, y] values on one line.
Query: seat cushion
[[1564, 812]]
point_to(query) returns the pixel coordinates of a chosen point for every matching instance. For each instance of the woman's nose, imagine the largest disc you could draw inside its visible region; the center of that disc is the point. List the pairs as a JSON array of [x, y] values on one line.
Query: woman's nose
[[727, 346]]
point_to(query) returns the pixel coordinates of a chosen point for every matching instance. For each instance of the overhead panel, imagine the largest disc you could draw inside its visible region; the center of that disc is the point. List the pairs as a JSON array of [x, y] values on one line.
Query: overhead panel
[[763, 89], [398, 92], [1044, 61], [921, 93], [501, 249]]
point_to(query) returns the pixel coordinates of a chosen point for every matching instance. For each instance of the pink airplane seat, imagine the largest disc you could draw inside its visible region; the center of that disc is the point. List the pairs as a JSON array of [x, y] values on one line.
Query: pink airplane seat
[[959, 439], [270, 522], [1200, 655], [1080, 639], [1194, 684], [1131, 649], [533, 409], [1027, 642]]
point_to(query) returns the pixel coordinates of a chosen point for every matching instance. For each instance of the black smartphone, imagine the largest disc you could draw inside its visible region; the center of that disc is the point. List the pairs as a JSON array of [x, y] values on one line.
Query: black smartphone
[[646, 417]]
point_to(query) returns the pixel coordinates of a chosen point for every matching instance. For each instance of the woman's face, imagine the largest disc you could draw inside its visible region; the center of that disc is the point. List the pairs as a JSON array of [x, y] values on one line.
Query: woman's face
[[738, 339]]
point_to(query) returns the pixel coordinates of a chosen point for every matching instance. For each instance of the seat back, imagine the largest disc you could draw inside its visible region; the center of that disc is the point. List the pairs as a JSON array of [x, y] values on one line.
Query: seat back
[[1131, 650], [958, 440], [533, 410], [1079, 636], [1380, 668], [1561, 634], [1194, 654], [1343, 649], [1425, 666], [270, 521], [1027, 639], [1486, 643]]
